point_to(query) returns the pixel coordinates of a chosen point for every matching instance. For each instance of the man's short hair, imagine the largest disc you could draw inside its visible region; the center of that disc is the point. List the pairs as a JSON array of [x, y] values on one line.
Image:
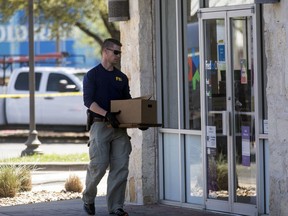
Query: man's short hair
[[110, 42]]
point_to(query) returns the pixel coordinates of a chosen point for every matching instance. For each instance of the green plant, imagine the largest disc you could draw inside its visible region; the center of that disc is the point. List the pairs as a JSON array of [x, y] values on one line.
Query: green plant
[[9, 182], [25, 178], [83, 157], [222, 176], [222, 172], [73, 184], [218, 172], [13, 179]]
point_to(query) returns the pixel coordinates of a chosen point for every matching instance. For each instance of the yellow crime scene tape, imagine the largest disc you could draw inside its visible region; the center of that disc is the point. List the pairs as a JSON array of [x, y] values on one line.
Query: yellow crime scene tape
[[41, 95]]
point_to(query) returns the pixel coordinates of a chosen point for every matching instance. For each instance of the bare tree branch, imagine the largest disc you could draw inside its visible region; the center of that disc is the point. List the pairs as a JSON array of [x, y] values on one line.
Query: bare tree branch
[[89, 33]]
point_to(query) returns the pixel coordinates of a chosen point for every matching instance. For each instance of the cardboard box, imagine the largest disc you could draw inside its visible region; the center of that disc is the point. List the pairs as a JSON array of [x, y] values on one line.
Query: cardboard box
[[136, 112]]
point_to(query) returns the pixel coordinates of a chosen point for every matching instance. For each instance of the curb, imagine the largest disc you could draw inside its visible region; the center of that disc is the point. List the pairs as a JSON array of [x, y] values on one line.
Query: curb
[[50, 140], [52, 166], [10, 136]]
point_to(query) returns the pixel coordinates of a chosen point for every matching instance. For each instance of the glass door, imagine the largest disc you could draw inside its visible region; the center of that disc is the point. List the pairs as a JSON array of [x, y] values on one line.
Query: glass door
[[229, 117]]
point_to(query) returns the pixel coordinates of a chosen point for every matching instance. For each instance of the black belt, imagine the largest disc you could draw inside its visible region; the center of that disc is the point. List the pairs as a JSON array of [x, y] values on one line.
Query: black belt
[[97, 119]]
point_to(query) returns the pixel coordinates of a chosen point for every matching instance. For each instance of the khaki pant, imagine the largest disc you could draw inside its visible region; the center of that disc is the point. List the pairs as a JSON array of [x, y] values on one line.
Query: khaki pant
[[108, 147]]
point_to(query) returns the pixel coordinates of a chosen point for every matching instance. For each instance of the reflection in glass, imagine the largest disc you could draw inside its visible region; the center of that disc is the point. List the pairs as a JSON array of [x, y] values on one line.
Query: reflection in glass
[[171, 167], [218, 3], [192, 78], [244, 113], [194, 169], [215, 96], [169, 64]]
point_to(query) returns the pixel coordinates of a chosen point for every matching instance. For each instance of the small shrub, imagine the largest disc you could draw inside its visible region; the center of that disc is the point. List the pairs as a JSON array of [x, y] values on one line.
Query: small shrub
[[9, 182], [14, 178], [222, 176], [25, 178], [73, 184]]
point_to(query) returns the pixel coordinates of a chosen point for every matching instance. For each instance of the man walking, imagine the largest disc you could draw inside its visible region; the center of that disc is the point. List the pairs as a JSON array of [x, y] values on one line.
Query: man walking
[[109, 146]]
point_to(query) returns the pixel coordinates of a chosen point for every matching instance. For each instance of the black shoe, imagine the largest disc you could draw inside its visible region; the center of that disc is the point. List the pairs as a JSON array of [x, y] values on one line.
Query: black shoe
[[89, 208], [119, 212]]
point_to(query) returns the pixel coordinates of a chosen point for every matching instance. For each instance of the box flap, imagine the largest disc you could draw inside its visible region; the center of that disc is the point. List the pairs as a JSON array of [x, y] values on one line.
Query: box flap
[[133, 125], [146, 97]]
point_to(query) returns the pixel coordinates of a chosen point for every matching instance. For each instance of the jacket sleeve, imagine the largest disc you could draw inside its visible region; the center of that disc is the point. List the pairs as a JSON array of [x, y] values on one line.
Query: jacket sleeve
[[127, 90], [88, 87]]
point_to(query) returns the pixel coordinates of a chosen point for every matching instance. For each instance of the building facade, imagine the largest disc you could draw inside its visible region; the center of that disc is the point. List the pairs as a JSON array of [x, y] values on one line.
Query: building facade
[[14, 43], [217, 70]]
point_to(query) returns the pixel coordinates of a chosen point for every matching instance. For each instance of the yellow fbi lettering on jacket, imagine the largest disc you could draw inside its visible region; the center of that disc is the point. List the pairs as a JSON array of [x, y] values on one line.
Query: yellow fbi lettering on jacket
[[118, 78]]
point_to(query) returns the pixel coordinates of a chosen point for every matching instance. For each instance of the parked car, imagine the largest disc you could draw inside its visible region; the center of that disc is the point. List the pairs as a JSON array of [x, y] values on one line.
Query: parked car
[[58, 99]]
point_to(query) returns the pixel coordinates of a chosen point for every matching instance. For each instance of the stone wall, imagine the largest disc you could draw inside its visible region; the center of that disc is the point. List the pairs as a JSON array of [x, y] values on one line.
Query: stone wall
[[276, 53], [138, 62]]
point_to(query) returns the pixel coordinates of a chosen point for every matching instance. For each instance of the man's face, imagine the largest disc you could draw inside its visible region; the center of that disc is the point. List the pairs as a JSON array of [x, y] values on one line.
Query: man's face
[[113, 54]]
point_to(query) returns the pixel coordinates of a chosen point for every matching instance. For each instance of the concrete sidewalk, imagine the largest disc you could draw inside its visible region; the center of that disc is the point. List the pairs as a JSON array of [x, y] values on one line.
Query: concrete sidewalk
[[75, 207], [45, 180]]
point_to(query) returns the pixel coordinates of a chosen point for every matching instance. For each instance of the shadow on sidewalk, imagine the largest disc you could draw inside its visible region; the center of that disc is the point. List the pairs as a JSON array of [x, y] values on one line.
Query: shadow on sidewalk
[[75, 207]]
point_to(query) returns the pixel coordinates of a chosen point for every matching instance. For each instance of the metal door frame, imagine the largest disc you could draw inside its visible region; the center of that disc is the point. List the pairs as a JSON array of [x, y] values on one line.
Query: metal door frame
[[226, 13]]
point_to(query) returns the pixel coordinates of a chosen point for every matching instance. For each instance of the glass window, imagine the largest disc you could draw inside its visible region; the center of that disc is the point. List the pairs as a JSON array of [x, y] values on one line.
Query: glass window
[[22, 82], [192, 76], [264, 86], [218, 3], [171, 167], [80, 75], [60, 83], [267, 173], [194, 169], [169, 64]]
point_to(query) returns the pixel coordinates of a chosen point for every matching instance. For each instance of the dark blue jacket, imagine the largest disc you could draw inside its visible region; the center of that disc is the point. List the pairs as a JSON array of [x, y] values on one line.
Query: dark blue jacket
[[102, 86]]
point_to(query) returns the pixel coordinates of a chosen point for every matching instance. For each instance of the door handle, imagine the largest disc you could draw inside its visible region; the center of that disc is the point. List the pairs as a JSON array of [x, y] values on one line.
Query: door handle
[[226, 121], [48, 98], [230, 119]]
